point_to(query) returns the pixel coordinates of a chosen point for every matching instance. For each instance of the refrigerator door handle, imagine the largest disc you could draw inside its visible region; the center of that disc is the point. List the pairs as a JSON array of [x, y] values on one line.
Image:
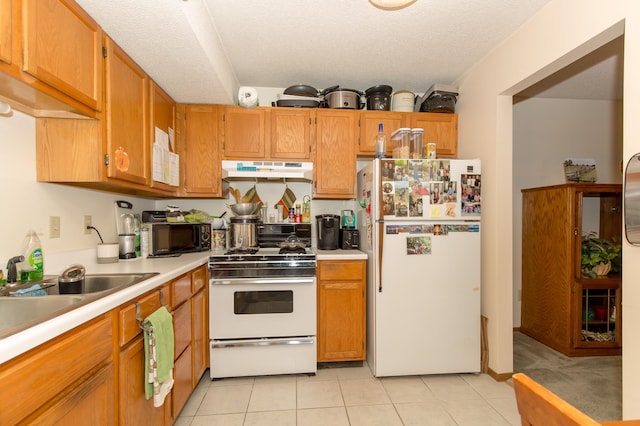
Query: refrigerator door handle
[[381, 239]]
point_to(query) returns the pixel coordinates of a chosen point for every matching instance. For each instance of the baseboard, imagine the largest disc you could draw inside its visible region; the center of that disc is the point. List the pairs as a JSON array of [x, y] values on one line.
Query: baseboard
[[499, 377]]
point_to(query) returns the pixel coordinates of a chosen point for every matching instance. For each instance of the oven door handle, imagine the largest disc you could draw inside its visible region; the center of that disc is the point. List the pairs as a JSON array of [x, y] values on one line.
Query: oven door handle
[[243, 281], [263, 342]]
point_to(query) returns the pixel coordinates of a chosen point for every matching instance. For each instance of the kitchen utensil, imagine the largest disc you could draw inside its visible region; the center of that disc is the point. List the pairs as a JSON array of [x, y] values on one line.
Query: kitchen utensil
[[298, 103], [243, 209], [217, 223], [243, 233], [439, 98], [247, 97], [292, 242], [71, 280], [235, 193], [127, 244], [301, 90], [328, 231], [222, 215], [219, 238], [403, 101], [342, 98], [107, 252], [379, 98], [348, 219]]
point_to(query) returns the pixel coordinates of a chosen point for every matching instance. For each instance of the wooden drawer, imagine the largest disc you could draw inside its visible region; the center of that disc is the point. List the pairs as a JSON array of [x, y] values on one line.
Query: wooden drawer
[[90, 403], [341, 269], [128, 324], [40, 374], [200, 278], [181, 289], [182, 328]]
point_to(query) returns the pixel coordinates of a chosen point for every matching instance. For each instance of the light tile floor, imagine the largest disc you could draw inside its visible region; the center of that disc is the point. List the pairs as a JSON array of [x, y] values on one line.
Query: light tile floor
[[352, 396]]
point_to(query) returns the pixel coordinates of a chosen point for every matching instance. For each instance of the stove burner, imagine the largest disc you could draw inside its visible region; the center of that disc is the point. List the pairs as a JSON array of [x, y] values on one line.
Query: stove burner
[[246, 250], [292, 250]]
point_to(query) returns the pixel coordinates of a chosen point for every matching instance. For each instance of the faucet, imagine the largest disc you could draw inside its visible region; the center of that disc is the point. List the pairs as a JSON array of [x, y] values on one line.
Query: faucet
[[12, 272]]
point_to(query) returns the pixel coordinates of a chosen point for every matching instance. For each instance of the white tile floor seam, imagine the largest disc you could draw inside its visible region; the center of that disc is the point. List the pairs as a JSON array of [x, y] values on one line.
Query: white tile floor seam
[[351, 396]]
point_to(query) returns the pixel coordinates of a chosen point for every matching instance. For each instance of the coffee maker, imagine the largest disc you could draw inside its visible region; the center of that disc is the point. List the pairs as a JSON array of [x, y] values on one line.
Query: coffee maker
[[348, 235], [328, 231]]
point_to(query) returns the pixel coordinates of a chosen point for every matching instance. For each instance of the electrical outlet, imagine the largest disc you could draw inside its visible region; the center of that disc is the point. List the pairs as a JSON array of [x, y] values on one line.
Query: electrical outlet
[[519, 295], [54, 226], [86, 221]]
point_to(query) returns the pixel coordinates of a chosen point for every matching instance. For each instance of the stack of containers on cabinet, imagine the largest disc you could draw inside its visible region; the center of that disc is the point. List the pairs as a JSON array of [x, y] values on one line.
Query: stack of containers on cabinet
[[408, 144]]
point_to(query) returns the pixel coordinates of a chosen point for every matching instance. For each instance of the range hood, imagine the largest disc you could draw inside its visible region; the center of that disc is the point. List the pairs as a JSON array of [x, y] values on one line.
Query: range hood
[[267, 170]]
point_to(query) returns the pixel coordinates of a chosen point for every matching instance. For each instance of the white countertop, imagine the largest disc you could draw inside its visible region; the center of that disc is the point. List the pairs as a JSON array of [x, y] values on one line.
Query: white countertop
[[168, 269], [340, 254]]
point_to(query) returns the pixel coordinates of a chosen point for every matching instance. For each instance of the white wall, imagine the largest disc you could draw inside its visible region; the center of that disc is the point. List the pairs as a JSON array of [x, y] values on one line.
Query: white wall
[[560, 33], [28, 203], [545, 132]]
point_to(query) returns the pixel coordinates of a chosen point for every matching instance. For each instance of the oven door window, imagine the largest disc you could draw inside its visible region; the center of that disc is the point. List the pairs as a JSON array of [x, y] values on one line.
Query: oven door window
[[263, 302]]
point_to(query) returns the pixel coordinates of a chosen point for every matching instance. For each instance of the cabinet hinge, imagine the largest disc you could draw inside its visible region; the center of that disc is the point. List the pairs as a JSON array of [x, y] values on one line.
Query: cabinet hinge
[[104, 51], [106, 159]]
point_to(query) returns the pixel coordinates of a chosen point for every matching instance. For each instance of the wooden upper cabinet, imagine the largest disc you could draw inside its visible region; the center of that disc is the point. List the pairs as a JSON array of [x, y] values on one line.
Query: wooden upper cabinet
[[369, 121], [162, 111], [5, 31], [291, 133], [62, 46], [199, 150], [335, 156], [244, 132], [126, 115], [440, 128]]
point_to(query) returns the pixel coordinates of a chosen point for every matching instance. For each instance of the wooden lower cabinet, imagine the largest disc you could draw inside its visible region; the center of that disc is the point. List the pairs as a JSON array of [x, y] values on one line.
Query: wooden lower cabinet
[[341, 310], [182, 385], [200, 330], [134, 408], [45, 383], [90, 403], [94, 374]]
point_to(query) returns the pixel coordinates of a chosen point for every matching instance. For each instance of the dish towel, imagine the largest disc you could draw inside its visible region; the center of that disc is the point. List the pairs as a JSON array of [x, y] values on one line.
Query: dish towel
[[287, 200], [34, 290], [158, 355]]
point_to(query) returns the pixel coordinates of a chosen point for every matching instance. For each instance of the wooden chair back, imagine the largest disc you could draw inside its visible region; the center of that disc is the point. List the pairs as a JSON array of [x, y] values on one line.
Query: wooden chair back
[[538, 406]]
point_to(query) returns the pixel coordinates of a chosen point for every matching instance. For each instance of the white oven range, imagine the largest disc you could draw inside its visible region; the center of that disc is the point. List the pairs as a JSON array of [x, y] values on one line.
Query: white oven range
[[262, 313]]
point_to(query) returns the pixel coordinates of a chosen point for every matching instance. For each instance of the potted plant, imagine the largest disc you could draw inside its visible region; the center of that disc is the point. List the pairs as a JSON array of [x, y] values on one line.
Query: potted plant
[[599, 256]]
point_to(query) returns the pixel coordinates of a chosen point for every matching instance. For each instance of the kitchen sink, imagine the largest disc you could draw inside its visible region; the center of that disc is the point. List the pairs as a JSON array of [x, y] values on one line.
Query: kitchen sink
[[19, 313], [105, 282]]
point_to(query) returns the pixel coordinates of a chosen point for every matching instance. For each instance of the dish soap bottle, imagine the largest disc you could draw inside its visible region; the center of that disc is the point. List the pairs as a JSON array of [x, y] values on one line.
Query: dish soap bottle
[[32, 269], [381, 143]]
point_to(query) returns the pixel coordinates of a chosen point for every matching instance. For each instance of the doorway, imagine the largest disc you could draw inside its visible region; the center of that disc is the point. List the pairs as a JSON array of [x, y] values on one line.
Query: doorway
[[574, 113]]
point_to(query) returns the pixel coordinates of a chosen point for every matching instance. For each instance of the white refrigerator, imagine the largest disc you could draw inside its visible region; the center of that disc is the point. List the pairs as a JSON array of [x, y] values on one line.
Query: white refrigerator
[[419, 223]]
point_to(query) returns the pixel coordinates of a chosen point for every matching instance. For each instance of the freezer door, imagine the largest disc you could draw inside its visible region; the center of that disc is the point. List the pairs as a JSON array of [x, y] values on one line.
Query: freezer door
[[427, 307], [443, 190]]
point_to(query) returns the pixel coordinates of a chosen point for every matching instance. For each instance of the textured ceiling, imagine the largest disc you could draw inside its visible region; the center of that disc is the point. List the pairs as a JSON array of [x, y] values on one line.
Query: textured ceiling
[[201, 51]]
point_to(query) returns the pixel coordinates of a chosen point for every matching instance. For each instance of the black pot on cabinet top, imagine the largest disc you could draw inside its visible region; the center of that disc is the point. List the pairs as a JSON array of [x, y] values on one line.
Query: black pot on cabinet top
[[379, 98]]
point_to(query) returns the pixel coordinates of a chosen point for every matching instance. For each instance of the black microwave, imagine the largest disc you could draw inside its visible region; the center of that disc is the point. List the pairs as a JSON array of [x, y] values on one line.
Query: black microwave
[[175, 238]]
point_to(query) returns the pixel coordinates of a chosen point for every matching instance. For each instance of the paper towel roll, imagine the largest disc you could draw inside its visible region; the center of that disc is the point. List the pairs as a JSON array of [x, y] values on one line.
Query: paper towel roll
[[247, 97]]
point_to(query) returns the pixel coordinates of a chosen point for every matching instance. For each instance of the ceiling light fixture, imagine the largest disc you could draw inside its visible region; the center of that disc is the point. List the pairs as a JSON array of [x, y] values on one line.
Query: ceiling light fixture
[[391, 4]]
